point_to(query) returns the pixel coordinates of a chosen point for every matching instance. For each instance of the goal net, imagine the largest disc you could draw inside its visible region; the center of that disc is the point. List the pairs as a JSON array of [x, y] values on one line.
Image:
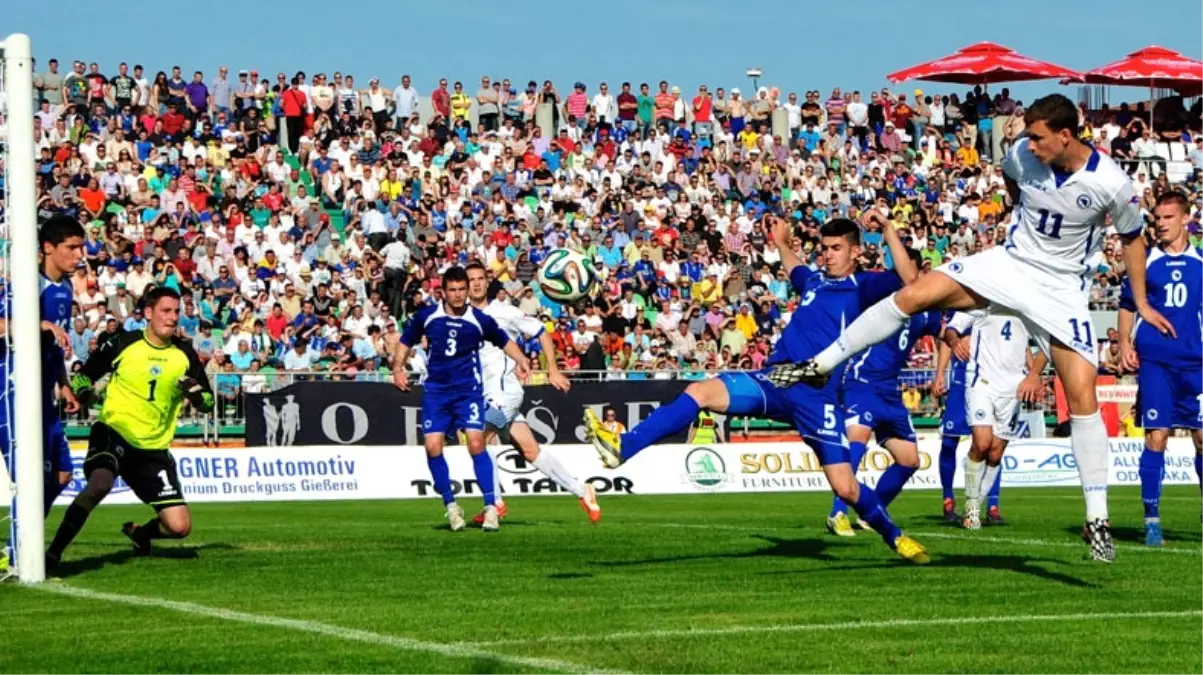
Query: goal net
[[20, 398]]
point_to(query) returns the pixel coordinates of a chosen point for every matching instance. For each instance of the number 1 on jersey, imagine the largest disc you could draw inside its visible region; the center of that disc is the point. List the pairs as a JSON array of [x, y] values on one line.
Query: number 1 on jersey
[[1080, 326], [151, 396]]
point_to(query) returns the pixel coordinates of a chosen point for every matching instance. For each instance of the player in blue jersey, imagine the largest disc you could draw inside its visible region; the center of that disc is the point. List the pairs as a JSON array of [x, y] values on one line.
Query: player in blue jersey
[[873, 405], [453, 396], [950, 383], [1066, 194], [829, 300], [60, 240], [1169, 368]]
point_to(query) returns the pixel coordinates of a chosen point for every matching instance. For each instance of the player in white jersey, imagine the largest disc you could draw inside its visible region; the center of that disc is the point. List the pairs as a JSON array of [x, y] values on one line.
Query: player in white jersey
[[999, 366], [1063, 192], [504, 394]]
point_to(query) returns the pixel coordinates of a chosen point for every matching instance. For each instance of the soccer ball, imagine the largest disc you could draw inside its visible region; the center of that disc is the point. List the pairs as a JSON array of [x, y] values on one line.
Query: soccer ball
[[565, 276]]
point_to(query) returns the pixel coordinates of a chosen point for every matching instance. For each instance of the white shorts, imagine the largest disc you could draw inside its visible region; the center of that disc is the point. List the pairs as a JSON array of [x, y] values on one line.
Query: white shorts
[[504, 397], [988, 407], [1048, 304]]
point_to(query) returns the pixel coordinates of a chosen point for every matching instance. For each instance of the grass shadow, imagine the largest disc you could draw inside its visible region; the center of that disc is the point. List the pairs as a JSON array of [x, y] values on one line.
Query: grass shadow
[[70, 568], [1012, 563], [814, 549]]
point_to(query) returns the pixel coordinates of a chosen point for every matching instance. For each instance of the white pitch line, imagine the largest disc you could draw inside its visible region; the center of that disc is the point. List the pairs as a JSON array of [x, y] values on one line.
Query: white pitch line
[[408, 644], [1045, 542], [843, 625]]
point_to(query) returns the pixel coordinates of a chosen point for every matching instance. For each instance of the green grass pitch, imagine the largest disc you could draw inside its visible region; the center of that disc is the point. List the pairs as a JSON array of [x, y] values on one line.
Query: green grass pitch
[[713, 583]]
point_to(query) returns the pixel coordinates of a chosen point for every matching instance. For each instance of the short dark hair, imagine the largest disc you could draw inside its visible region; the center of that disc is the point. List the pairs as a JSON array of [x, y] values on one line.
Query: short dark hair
[[842, 227], [455, 273], [1056, 111], [1176, 198], [154, 295], [58, 229], [475, 264]]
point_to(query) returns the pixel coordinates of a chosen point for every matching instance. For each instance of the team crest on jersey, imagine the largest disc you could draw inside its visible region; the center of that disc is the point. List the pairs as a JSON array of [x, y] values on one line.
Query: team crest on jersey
[[868, 416], [1176, 275], [979, 414], [955, 267], [1084, 201], [156, 370]]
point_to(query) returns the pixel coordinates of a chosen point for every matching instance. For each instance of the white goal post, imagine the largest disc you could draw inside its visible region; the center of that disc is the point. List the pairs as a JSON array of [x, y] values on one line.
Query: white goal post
[[27, 523]]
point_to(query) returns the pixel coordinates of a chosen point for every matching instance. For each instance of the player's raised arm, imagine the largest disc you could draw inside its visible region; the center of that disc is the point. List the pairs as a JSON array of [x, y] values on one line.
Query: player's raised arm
[[904, 265], [782, 234]]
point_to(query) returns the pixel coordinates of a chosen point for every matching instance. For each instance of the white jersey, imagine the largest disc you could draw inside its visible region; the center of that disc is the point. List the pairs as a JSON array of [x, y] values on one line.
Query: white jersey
[[999, 349], [517, 324], [1059, 221]]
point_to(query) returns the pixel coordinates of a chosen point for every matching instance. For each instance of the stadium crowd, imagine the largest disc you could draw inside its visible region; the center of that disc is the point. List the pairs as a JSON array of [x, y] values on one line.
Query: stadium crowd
[[304, 216]]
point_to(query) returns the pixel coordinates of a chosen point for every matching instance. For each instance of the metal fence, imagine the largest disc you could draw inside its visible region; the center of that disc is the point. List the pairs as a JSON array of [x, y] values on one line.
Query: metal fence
[[228, 416]]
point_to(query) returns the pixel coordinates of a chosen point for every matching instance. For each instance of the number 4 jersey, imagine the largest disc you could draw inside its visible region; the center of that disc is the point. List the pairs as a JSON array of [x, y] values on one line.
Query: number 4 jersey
[[142, 400]]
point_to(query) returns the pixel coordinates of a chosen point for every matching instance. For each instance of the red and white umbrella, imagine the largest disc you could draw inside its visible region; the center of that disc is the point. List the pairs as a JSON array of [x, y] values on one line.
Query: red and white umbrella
[[983, 63], [1154, 67]]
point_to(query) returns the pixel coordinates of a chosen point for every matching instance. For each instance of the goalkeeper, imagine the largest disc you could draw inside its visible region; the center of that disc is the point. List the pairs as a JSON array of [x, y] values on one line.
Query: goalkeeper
[[153, 373]]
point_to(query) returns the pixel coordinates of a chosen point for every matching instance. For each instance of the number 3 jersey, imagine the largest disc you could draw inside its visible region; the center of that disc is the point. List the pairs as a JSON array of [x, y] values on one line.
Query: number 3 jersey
[[454, 345], [142, 400], [1174, 284], [1058, 224]]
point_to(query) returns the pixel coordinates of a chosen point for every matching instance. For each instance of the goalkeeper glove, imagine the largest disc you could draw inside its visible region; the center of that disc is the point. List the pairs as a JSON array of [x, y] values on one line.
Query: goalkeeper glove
[[195, 393]]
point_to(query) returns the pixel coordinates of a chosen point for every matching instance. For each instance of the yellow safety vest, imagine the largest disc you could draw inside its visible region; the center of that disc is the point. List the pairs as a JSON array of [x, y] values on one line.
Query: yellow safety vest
[[706, 431]]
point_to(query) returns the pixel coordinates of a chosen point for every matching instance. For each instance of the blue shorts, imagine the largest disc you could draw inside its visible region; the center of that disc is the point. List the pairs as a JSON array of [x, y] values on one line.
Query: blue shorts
[[956, 421], [56, 452], [815, 413], [449, 412], [880, 410], [1169, 397]]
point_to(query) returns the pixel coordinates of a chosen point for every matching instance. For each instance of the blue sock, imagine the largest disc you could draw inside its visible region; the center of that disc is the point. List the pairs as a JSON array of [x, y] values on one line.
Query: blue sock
[[442, 477], [891, 482], [856, 452], [662, 423], [1152, 466], [482, 463], [992, 495], [1199, 469], [870, 510], [948, 463]]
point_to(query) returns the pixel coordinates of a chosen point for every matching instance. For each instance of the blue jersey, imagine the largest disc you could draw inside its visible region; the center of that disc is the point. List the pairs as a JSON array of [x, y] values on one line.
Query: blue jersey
[[454, 346], [879, 365], [827, 306], [1175, 288], [955, 421]]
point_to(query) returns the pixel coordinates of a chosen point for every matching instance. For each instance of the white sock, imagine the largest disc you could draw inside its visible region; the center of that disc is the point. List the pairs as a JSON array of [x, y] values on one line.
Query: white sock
[[873, 325], [988, 478], [1092, 452], [551, 467], [495, 453], [974, 470]]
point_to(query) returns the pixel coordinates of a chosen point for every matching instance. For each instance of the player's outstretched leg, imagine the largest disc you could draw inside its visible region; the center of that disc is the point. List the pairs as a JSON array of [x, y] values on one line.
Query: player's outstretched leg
[[664, 421], [948, 471], [876, 324], [837, 521]]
